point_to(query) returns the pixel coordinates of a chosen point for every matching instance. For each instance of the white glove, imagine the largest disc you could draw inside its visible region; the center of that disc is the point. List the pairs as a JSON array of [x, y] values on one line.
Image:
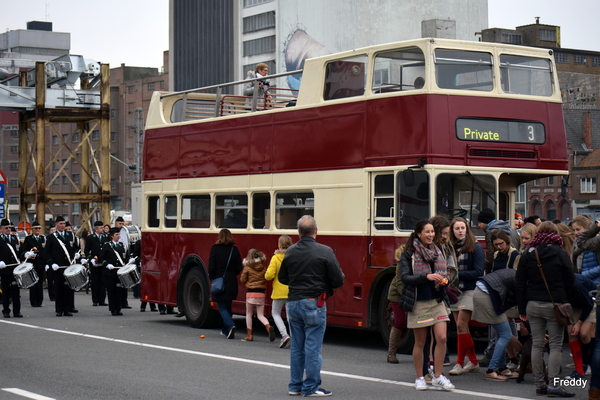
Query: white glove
[[77, 256], [47, 268], [132, 260], [55, 267], [94, 262], [83, 261], [29, 254], [110, 267], [2, 264]]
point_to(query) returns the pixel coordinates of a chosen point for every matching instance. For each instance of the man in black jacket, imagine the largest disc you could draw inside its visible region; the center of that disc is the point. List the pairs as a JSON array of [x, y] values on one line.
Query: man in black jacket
[[113, 256], [60, 254], [93, 249], [8, 261], [33, 246], [312, 272]]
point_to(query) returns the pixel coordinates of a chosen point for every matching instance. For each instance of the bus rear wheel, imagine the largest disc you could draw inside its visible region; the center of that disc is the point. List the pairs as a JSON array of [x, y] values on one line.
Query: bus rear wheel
[[196, 300], [386, 321]]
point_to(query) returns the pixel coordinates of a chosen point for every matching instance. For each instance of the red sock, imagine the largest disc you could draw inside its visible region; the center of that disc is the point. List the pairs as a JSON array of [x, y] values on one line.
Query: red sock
[[471, 350], [461, 348], [575, 347]]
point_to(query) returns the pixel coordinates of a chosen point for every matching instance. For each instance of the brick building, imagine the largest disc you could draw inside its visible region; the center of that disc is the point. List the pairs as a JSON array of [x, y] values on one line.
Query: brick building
[[579, 77]]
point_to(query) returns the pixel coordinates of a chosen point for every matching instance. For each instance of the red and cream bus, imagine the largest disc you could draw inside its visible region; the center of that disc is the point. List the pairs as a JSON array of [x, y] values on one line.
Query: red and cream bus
[[374, 140]]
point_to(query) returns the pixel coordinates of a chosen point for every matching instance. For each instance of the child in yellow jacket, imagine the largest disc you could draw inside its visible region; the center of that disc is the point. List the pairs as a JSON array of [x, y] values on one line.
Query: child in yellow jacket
[[280, 291]]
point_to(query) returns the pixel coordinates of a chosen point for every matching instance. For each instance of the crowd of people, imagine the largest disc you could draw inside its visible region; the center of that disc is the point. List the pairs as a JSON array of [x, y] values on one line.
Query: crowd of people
[[50, 255], [528, 270]]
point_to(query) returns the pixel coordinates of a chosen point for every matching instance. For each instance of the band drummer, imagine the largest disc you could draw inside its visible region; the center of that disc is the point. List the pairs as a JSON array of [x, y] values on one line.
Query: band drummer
[[32, 249], [113, 256], [62, 252], [8, 261], [93, 250]]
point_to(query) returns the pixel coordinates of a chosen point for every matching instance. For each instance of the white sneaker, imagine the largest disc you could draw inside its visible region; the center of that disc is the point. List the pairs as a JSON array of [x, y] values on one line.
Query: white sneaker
[[512, 366], [420, 384], [442, 382], [471, 367], [457, 370]]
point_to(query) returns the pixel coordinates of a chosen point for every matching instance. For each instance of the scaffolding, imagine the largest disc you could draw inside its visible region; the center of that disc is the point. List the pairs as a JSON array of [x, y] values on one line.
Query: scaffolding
[[42, 107]]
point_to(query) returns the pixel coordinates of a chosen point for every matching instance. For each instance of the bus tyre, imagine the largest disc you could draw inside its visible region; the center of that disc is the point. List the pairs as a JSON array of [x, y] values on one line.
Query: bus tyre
[[196, 300], [386, 321]]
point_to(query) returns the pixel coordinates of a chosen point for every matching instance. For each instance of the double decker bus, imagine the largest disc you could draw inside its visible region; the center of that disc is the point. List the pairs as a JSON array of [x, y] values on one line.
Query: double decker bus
[[374, 140]]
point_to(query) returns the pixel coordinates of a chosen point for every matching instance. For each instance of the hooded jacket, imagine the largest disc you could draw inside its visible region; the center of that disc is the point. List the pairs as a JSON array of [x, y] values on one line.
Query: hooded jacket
[[253, 274], [515, 240]]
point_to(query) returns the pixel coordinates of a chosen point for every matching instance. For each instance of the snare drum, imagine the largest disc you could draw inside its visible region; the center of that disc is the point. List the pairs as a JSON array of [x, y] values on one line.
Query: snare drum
[[25, 275], [129, 275], [76, 276]]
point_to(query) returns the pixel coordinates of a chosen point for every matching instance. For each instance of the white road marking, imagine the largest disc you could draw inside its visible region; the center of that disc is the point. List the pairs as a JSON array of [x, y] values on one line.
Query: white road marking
[[248, 361], [27, 394]]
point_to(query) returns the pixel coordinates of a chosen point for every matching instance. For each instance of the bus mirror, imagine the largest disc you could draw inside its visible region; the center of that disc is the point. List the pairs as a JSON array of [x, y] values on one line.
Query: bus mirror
[[409, 177]]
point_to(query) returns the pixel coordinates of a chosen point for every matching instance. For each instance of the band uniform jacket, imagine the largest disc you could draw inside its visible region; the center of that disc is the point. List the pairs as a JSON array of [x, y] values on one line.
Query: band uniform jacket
[[7, 256], [108, 256], [93, 248], [39, 243], [54, 251]]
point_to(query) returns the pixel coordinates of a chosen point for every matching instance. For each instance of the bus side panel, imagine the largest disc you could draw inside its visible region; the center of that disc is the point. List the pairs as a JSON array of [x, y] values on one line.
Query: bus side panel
[[165, 155], [329, 137], [206, 155], [395, 131]]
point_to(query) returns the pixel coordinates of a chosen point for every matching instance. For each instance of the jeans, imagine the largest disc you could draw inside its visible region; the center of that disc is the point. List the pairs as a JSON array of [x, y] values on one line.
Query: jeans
[[595, 361], [503, 338], [541, 315], [276, 307], [225, 311], [307, 327]]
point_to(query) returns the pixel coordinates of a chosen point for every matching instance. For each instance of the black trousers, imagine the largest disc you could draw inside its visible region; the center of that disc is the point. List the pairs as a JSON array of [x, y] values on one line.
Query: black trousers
[[36, 292], [64, 296], [115, 293], [10, 291], [97, 285], [50, 280]]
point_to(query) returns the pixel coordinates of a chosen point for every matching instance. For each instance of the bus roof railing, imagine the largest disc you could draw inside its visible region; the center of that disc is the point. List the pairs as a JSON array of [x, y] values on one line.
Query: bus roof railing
[[222, 85]]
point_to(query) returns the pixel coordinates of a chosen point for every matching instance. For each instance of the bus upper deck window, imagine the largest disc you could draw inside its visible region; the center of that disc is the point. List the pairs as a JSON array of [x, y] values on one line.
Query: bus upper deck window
[[526, 75], [463, 70], [399, 70], [345, 78]]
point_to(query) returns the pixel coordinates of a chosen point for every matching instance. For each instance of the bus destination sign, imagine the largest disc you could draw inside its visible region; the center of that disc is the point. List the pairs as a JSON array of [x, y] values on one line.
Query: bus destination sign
[[500, 131]]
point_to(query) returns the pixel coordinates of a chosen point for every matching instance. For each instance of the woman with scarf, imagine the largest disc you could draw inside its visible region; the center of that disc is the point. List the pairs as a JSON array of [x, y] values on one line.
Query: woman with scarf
[[424, 275], [535, 301], [471, 261]]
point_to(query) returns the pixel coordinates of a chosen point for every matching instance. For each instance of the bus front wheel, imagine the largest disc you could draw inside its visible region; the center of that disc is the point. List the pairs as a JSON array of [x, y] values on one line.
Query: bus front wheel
[[196, 300]]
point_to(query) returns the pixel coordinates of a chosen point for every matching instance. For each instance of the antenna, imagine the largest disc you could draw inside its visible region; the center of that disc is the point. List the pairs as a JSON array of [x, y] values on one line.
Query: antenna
[[47, 5]]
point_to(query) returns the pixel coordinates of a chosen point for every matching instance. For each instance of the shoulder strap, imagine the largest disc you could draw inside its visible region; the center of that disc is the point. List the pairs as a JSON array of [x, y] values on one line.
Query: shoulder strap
[[229, 259], [63, 247], [539, 264]]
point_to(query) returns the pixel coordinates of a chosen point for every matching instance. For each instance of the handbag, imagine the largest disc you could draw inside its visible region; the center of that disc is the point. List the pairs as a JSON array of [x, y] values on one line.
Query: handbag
[[562, 312], [218, 284]]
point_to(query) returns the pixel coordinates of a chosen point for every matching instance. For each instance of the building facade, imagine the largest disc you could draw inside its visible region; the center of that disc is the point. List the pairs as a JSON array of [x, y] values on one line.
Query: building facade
[[579, 77], [219, 41]]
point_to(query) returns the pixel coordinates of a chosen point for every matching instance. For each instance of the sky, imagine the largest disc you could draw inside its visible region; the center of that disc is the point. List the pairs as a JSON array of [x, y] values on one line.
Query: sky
[[136, 32]]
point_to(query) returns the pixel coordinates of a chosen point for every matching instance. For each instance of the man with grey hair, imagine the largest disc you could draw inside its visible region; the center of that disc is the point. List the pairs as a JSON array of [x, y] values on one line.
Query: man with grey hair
[[311, 271]]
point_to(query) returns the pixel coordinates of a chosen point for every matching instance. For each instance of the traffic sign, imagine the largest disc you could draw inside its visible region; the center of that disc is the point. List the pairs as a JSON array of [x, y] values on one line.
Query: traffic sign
[[2, 202], [2, 178]]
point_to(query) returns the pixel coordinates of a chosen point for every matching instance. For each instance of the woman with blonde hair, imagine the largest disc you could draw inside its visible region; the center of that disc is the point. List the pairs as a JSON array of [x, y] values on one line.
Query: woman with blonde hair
[[279, 294], [567, 236], [528, 232]]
